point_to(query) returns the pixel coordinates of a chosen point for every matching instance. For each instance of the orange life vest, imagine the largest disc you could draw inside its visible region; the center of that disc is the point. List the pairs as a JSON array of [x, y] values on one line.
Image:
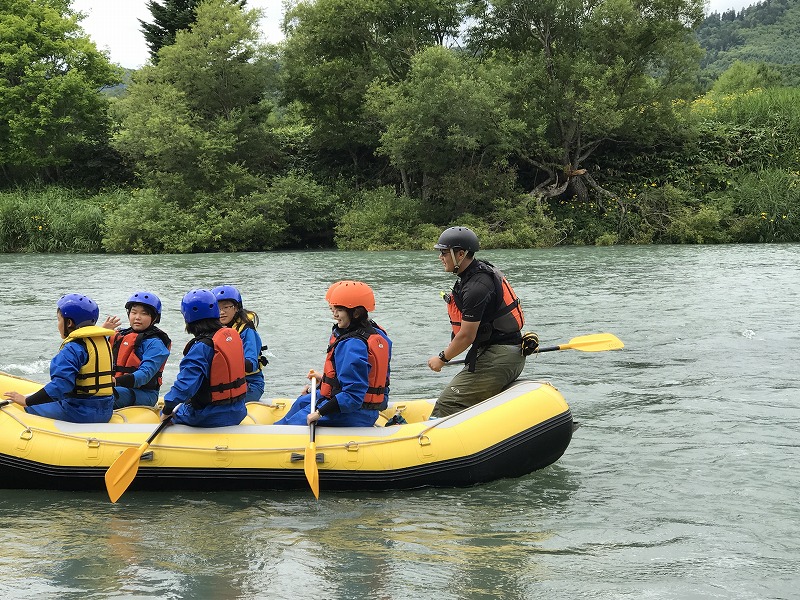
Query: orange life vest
[[507, 316], [226, 381], [500, 324], [124, 345], [377, 355]]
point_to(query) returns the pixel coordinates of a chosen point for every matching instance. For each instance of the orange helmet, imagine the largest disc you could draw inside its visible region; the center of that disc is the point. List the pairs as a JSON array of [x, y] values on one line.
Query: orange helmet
[[351, 294]]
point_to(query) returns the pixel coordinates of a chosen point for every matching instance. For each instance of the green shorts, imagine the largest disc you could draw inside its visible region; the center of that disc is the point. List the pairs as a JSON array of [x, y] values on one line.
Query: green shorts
[[496, 367]]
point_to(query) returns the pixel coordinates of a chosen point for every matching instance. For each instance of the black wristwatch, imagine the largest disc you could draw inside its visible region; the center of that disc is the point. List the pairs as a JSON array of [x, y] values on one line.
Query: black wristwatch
[[443, 358]]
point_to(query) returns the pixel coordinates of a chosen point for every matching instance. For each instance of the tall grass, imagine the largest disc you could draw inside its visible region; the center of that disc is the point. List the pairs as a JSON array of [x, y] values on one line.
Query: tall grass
[[769, 123], [773, 106], [768, 205], [49, 219]]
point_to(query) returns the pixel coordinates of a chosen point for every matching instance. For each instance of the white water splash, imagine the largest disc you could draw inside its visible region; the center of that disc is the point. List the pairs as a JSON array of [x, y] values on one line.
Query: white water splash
[[35, 368], [749, 334]]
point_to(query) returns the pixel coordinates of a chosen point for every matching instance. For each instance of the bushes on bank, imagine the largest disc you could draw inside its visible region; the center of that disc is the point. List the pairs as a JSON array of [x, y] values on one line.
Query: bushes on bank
[[382, 220], [292, 211], [143, 222]]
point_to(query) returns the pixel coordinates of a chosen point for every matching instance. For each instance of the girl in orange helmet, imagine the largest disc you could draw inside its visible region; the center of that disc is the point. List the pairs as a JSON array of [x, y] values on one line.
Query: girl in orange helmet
[[354, 384]]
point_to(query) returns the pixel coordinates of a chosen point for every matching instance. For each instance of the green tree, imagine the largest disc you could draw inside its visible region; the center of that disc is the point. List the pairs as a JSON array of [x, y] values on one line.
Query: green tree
[[194, 124], [587, 73], [336, 48], [448, 115], [200, 128], [51, 76], [743, 77], [169, 17]]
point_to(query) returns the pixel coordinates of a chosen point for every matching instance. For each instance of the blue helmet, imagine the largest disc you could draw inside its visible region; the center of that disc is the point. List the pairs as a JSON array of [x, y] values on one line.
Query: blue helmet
[[227, 292], [199, 304], [81, 309], [146, 299]]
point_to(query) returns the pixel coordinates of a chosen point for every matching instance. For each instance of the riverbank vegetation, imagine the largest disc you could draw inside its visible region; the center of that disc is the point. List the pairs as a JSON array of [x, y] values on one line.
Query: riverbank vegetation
[[373, 126]]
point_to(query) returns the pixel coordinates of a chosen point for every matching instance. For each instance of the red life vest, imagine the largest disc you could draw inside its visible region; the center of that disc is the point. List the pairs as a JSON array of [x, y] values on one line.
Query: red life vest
[[124, 345], [377, 355], [226, 381], [507, 316]]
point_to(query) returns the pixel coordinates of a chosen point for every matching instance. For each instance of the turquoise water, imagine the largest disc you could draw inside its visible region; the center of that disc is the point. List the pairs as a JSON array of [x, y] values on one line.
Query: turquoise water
[[680, 483]]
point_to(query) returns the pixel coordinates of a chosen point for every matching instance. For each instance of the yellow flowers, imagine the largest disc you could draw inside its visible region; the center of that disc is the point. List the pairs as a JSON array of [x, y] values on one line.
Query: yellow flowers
[[38, 222]]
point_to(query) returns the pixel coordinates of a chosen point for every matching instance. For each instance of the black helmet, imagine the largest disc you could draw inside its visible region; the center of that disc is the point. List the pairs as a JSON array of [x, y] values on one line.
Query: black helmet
[[458, 237]]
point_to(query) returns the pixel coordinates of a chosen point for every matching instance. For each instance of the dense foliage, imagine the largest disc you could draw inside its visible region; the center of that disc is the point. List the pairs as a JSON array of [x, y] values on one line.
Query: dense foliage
[[52, 118], [377, 123]]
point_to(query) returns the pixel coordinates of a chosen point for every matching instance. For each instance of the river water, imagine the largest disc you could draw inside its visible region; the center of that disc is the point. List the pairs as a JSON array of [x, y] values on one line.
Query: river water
[[681, 482]]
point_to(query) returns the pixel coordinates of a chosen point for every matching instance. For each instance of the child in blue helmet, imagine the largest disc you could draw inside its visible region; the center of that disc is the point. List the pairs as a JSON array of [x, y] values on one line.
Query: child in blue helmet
[[233, 314], [80, 387], [140, 352], [210, 388]]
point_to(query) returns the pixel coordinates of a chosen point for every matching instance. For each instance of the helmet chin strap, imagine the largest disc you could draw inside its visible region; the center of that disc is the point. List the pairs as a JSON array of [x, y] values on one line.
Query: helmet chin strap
[[456, 264]]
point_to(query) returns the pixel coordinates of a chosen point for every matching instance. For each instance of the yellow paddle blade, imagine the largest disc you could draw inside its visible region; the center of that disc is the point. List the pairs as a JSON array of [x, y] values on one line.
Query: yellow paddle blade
[[311, 468], [596, 342], [123, 470]]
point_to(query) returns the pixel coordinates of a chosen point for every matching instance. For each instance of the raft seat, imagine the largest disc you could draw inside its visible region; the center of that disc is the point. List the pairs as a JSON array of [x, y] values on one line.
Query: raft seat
[[265, 413], [136, 414]]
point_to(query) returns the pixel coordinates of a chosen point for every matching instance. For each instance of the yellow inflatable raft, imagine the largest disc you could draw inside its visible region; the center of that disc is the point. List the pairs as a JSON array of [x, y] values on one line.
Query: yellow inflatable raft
[[526, 427]]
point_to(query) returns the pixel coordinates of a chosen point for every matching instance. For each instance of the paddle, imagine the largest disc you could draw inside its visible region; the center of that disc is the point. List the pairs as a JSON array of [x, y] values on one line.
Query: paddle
[[595, 342], [6, 403], [310, 466], [123, 470]]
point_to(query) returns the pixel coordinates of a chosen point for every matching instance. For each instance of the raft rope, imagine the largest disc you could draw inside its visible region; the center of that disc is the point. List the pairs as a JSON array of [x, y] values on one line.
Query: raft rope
[[421, 437], [29, 431]]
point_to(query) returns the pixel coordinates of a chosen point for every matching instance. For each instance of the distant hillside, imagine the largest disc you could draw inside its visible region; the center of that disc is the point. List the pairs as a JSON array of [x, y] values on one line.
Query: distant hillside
[[767, 32], [122, 87]]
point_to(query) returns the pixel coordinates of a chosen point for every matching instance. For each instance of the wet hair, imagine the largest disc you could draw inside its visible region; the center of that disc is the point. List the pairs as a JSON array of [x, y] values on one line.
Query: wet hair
[[203, 327]]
